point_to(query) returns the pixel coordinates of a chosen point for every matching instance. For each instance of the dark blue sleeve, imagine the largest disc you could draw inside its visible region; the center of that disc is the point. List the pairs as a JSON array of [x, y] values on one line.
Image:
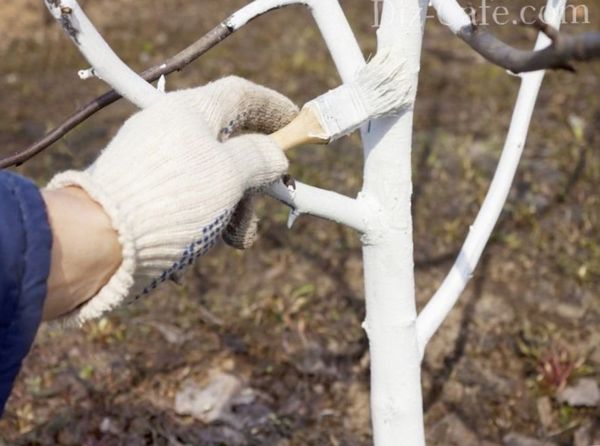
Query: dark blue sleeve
[[25, 245]]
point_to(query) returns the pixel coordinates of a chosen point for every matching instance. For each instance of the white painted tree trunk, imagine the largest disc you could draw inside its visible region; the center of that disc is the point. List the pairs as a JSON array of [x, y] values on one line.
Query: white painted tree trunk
[[381, 212], [396, 403]]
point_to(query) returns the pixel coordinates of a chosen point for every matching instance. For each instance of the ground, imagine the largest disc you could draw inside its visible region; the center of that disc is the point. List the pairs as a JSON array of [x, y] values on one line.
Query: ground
[[279, 325]]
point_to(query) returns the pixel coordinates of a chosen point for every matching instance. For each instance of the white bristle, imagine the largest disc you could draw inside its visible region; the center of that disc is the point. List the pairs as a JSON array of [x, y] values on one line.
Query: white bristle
[[382, 87], [385, 85]]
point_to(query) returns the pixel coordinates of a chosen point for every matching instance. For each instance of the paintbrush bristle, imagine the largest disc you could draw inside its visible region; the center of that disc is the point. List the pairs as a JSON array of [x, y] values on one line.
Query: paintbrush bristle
[[383, 87]]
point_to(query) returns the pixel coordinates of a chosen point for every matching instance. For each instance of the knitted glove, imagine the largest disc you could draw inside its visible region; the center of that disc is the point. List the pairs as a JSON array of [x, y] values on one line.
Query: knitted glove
[[241, 232], [170, 185]]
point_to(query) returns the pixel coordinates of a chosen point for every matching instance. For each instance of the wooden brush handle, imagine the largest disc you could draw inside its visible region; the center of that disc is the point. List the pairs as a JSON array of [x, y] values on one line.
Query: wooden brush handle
[[304, 129]]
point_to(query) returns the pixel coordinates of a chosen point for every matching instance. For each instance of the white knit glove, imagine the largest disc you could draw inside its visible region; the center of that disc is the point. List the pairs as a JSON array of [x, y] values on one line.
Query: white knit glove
[[170, 185]]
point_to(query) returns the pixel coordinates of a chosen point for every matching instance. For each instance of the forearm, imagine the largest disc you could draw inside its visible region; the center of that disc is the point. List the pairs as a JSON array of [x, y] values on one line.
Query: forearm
[[85, 252]]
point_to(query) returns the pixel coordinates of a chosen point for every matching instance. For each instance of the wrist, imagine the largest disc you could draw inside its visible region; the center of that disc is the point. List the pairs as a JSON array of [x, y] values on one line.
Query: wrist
[[86, 251]]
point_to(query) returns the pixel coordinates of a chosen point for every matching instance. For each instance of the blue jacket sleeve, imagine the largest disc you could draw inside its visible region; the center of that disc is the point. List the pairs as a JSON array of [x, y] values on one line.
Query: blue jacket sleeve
[[25, 246]]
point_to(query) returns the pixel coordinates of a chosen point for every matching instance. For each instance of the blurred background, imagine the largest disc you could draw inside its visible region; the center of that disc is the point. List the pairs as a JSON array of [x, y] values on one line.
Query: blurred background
[[274, 333]]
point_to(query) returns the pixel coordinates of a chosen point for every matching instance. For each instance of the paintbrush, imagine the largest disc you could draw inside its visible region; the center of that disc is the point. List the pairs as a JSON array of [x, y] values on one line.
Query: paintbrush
[[382, 87]]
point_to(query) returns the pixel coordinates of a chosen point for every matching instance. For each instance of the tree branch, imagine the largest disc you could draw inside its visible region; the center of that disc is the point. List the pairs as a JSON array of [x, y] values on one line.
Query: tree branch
[[105, 63], [559, 55], [175, 63], [435, 312], [305, 199], [321, 10], [564, 49]]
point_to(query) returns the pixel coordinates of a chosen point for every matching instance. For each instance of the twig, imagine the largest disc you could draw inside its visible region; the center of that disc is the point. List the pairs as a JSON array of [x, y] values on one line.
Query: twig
[[564, 49], [175, 63], [105, 62]]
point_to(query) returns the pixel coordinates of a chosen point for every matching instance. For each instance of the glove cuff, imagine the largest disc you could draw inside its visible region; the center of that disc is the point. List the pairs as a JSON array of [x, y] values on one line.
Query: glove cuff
[[118, 287]]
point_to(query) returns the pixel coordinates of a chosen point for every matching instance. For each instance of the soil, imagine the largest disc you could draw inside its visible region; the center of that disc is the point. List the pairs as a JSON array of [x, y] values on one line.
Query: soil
[[284, 317]]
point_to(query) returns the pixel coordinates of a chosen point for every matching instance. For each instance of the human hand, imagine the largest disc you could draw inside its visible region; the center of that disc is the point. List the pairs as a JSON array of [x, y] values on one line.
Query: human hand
[[170, 180]]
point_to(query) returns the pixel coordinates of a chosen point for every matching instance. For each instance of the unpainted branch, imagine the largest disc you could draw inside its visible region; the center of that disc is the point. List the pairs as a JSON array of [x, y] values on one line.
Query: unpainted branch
[[175, 63], [564, 49]]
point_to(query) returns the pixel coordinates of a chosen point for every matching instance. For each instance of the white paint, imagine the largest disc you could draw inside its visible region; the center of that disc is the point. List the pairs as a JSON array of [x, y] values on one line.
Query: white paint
[[324, 204], [329, 18], [161, 85], [292, 217], [339, 38], [396, 402], [86, 74], [339, 111], [105, 63], [257, 8], [382, 87], [451, 14], [437, 309]]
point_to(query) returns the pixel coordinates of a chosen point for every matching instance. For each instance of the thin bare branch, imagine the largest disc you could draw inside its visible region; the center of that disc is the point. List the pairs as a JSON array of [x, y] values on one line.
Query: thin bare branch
[[175, 63], [564, 49]]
